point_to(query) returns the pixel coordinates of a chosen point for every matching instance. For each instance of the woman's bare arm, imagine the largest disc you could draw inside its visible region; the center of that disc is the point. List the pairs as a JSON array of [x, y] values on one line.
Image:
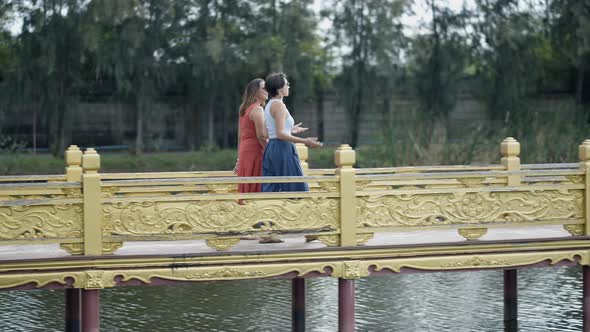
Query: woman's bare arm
[[257, 115], [279, 113]]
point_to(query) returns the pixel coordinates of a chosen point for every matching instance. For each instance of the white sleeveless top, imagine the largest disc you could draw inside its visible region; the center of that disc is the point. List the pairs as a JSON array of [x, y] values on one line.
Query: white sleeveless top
[[271, 126]]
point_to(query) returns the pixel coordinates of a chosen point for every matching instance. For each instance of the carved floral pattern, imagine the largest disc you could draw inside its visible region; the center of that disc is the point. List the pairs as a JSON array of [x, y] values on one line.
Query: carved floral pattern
[[468, 208], [94, 280], [575, 230], [221, 217], [223, 243], [473, 233], [476, 261], [40, 222], [225, 273]]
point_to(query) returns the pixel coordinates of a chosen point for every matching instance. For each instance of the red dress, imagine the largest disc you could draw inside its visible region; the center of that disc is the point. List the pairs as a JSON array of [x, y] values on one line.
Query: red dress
[[250, 153]]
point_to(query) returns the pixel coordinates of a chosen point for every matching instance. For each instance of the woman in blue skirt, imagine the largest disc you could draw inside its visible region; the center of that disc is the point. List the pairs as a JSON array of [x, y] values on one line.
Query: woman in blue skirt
[[280, 156]]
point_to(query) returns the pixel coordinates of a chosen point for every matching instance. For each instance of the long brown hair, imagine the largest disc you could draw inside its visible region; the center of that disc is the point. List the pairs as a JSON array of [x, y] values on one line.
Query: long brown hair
[[249, 97]]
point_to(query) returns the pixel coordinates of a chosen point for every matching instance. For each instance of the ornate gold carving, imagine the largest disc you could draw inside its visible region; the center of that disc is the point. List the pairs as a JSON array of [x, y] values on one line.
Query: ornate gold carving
[[575, 179], [229, 272], [329, 240], [329, 186], [471, 182], [223, 216], [480, 261], [72, 192], [222, 188], [574, 230], [107, 192], [222, 244], [38, 279], [40, 222], [225, 273], [472, 233], [362, 185], [73, 248], [94, 280], [363, 238], [78, 248], [476, 261], [111, 247], [350, 269], [354, 270], [469, 208]]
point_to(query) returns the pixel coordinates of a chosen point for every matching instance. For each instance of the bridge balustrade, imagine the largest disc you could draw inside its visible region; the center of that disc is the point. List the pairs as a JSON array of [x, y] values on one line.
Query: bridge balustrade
[[93, 213]]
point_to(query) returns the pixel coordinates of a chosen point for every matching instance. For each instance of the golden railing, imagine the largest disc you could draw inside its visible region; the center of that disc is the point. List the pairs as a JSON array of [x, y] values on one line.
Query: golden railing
[[94, 213]]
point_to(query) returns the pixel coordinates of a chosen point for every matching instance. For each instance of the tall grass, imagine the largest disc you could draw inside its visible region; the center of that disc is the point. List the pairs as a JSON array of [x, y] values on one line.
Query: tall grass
[[545, 137]]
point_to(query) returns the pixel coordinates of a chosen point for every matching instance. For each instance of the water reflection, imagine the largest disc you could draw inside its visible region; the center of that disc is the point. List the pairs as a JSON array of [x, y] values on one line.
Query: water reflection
[[549, 300]]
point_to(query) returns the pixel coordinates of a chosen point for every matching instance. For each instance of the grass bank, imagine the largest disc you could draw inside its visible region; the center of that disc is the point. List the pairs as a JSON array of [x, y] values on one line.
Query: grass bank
[[544, 137]]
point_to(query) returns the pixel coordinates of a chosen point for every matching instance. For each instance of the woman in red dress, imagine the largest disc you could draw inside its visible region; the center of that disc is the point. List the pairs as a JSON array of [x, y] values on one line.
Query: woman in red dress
[[252, 135]]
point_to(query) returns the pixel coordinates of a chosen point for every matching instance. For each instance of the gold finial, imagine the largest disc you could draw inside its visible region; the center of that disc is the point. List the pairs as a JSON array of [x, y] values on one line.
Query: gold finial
[[510, 147], [73, 163], [302, 151], [584, 151], [345, 156], [73, 156], [90, 161]]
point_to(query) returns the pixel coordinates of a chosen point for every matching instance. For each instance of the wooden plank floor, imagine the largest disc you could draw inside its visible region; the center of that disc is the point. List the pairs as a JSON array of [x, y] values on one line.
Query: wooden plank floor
[[292, 243]]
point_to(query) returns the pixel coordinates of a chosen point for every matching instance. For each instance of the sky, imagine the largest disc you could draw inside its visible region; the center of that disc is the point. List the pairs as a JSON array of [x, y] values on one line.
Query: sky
[[412, 22], [415, 20]]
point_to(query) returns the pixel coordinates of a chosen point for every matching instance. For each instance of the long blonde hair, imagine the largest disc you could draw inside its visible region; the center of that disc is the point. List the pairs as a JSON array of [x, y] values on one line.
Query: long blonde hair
[[249, 97]]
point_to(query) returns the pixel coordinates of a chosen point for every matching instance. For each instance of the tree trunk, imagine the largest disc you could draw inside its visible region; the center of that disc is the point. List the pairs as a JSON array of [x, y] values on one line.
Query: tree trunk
[[226, 125], [320, 115], [139, 128], [360, 57], [61, 115], [580, 81], [211, 120]]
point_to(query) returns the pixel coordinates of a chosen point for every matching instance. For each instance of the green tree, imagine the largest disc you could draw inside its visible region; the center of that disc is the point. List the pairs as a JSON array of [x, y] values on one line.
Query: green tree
[[130, 40], [570, 35], [48, 70], [507, 40], [370, 33], [439, 59]]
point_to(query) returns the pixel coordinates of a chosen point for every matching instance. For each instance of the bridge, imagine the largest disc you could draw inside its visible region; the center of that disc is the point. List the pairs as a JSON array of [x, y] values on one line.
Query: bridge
[[84, 230]]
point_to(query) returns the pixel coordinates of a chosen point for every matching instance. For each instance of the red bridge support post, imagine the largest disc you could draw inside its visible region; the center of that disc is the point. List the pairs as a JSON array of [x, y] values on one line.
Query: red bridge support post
[[73, 310], [298, 305], [346, 320], [510, 300], [90, 310]]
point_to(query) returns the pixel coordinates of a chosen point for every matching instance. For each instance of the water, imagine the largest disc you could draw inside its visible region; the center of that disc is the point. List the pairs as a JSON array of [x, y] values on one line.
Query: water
[[549, 300]]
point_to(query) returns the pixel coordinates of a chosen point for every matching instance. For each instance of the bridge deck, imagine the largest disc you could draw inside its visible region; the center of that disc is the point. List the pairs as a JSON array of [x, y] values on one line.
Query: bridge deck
[[292, 243]]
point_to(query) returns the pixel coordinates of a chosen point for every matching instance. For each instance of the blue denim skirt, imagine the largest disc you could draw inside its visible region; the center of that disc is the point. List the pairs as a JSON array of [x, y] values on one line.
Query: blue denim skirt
[[281, 159]]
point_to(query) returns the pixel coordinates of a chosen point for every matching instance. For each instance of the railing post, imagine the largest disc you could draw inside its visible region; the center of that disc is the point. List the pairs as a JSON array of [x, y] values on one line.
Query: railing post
[[92, 206], [584, 151], [345, 158], [510, 149], [73, 163], [303, 155]]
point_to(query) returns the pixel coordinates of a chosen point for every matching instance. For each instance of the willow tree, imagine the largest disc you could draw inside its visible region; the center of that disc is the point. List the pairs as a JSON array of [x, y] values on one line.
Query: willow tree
[[48, 71]]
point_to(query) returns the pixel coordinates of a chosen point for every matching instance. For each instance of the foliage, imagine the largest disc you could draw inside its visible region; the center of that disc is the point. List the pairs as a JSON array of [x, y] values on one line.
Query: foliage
[[372, 32], [197, 55]]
